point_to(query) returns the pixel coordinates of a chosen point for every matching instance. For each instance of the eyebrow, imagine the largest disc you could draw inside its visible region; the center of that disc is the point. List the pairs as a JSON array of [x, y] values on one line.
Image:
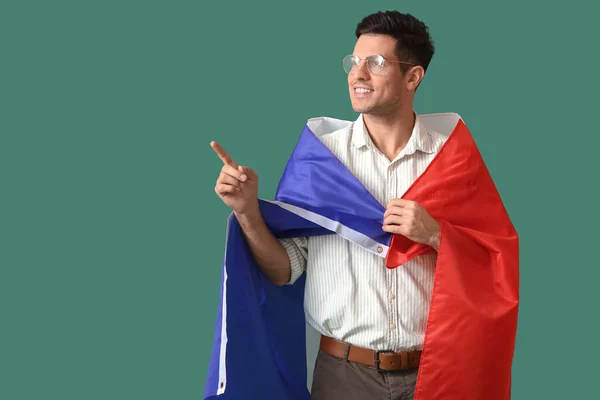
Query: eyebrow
[[394, 57]]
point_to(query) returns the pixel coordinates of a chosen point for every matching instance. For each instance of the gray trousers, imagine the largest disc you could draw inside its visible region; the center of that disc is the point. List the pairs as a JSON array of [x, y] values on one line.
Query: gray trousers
[[335, 379]]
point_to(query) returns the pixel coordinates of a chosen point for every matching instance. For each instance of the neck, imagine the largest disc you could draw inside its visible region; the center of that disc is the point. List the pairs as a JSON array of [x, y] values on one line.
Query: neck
[[390, 133]]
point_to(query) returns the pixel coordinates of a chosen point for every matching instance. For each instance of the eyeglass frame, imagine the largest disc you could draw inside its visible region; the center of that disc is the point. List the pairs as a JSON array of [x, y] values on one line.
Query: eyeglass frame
[[385, 60]]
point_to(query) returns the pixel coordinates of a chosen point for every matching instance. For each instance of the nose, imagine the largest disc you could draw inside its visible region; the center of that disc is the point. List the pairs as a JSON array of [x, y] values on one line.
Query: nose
[[360, 71]]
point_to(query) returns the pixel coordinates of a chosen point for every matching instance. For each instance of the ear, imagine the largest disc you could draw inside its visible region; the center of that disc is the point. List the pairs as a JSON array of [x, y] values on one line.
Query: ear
[[413, 77]]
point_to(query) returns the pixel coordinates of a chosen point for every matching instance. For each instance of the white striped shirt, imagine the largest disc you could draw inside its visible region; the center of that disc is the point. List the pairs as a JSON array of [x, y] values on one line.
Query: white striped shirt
[[350, 294]]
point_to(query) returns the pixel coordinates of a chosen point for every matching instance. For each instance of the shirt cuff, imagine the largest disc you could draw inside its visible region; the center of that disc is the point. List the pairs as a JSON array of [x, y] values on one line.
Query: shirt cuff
[[296, 249]]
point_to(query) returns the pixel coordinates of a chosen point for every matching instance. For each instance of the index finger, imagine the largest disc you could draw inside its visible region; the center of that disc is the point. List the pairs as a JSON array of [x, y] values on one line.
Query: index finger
[[222, 154], [399, 203]]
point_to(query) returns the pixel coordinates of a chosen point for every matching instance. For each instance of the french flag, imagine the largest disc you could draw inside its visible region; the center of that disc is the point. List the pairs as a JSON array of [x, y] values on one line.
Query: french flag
[[259, 349]]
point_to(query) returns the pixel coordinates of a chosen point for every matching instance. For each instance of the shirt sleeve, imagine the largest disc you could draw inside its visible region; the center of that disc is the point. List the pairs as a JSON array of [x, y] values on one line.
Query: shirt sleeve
[[297, 250]]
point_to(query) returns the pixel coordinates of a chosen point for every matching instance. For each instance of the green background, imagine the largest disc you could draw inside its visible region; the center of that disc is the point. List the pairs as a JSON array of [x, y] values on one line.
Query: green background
[[112, 237]]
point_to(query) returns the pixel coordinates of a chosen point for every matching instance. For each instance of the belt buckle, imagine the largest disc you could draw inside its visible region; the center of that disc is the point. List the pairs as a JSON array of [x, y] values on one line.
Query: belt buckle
[[377, 361]]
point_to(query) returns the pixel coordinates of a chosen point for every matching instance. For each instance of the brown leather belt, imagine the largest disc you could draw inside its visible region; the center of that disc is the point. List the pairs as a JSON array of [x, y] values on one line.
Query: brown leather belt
[[381, 360]]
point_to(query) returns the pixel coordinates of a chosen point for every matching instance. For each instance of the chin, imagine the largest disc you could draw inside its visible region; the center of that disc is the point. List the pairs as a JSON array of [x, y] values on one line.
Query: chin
[[361, 109], [358, 105]]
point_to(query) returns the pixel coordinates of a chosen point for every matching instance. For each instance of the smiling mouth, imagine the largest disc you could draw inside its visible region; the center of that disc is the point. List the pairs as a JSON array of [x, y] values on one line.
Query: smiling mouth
[[362, 90]]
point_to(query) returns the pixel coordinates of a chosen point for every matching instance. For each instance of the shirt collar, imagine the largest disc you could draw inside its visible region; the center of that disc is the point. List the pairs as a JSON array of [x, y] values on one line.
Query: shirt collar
[[420, 139]]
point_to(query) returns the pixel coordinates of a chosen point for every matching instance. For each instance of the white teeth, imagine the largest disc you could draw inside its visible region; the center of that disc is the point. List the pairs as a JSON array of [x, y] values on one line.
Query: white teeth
[[362, 90]]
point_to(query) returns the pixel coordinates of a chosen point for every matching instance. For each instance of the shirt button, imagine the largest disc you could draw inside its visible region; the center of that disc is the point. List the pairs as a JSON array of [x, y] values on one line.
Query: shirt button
[[379, 249], [392, 296], [392, 326]]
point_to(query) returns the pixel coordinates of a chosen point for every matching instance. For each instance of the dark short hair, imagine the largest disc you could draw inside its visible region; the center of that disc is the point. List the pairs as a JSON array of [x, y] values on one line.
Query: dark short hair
[[414, 44]]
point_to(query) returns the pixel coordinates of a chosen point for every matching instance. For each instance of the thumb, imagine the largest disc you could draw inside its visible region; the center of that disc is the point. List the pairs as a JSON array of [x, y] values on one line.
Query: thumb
[[248, 171]]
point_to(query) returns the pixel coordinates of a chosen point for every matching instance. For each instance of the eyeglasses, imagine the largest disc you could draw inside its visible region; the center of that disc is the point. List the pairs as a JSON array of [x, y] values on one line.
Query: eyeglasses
[[375, 63]]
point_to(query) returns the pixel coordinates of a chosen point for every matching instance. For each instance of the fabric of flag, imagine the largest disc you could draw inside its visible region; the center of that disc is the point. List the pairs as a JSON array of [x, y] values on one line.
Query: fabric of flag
[[259, 349]]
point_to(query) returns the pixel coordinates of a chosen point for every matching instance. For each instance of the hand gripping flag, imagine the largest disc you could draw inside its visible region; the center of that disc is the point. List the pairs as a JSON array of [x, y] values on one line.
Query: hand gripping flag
[[259, 349]]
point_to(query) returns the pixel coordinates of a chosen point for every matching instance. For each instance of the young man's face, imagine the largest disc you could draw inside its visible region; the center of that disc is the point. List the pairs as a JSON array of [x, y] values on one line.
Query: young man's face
[[383, 92]]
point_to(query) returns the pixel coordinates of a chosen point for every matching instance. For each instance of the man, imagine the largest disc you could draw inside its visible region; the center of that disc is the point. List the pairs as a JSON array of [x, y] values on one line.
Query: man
[[352, 299]]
